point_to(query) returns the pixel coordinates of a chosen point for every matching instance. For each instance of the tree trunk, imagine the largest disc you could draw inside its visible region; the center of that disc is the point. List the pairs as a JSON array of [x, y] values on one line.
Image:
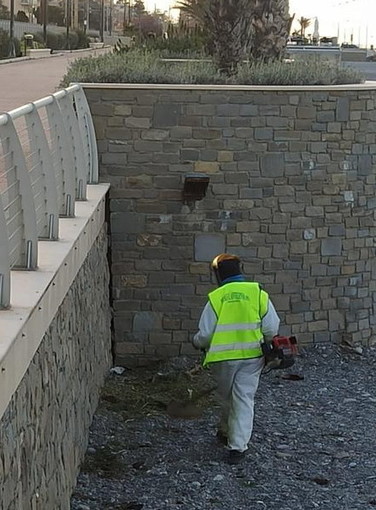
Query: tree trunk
[[230, 32], [271, 24], [236, 28]]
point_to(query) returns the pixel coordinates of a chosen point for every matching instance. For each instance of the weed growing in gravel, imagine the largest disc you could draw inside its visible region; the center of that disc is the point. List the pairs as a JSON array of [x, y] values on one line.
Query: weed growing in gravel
[[104, 462]]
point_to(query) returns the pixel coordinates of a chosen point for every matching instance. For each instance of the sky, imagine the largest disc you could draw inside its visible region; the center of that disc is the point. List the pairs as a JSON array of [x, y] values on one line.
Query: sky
[[341, 18], [346, 18]]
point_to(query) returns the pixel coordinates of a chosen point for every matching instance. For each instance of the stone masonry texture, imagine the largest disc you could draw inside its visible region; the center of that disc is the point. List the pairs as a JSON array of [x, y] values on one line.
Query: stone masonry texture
[[44, 431], [291, 191]]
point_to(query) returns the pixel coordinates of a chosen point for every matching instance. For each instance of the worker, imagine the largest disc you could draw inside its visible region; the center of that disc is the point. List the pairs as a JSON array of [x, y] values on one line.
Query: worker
[[234, 321]]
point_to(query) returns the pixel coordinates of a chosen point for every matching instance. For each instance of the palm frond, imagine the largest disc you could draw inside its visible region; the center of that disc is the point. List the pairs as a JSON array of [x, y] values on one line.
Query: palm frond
[[237, 28]]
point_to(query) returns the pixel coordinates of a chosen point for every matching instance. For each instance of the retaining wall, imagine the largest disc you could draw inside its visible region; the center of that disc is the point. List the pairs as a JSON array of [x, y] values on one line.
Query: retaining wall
[[292, 191], [52, 370]]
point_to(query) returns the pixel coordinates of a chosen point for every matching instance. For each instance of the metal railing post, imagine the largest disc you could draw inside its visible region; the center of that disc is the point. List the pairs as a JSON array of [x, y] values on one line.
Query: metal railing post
[[40, 168], [38, 137], [63, 158], [65, 101], [4, 261], [87, 129], [26, 212]]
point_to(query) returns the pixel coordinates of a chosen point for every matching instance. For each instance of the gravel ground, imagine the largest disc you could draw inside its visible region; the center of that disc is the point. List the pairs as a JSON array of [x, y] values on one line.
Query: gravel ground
[[313, 445]]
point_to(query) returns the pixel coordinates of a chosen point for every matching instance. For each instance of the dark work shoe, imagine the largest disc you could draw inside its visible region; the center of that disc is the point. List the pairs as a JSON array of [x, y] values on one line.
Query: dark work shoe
[[222, 438], [235, 457]]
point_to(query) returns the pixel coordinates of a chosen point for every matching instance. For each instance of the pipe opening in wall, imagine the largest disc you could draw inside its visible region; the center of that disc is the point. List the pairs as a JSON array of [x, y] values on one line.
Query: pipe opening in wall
[[195, 186]]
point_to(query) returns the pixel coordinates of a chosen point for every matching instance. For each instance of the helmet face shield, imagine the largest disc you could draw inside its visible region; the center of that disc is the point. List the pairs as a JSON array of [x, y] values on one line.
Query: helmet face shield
[[225, 266]]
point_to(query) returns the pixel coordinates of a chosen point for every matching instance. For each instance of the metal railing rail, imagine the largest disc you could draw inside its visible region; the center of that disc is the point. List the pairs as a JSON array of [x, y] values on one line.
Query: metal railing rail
[[70, 121], [61, 154], [39, 164], [4, 261], [17, 198], [48, 155], [86, 125]]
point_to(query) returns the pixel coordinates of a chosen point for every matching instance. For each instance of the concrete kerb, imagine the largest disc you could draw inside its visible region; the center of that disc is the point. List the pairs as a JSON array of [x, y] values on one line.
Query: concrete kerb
[[59, 54], [23, 59], [82, 50]]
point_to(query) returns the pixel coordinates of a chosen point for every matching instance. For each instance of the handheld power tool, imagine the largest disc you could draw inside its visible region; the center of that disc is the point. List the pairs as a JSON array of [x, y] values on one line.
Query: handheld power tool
[[280, 352]]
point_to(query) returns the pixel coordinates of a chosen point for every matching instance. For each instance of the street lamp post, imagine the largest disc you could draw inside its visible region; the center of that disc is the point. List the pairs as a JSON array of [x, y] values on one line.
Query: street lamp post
[[124, 16], [12, 48], [350, 11], [44, 9], [101, 26], [87, 15], [68, 23], [110, 18]]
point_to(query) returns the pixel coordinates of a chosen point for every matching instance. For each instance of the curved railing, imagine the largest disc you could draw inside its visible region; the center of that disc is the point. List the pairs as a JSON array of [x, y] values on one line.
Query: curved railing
[[48, 155]]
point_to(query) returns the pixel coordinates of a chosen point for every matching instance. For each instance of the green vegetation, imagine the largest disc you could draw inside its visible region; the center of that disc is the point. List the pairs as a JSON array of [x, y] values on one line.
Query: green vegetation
[[299, 72], [55, 16], [137, 66], [240, 42], [5, 44], [21, 16], [58, 41], [182, 41], [238, 29], [140, 66], [4, 11]]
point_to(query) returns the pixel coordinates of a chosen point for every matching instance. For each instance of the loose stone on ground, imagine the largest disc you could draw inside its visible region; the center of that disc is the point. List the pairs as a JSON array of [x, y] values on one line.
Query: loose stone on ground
[[312, 447]]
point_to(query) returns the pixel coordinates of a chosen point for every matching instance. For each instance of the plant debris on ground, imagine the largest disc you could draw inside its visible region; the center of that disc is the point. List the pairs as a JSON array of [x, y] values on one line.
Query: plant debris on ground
[[313, 444]]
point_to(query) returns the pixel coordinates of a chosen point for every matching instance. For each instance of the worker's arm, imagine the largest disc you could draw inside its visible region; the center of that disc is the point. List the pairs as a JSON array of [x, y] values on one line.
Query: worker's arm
[[270, 322], [206, 327]]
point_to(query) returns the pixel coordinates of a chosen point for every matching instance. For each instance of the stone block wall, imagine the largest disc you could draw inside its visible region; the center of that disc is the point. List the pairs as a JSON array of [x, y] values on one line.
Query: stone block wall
[[292, 191], [43, 433]]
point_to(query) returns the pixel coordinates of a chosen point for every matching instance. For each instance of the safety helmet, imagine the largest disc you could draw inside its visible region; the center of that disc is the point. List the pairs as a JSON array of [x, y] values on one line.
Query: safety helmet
[[225, 265]]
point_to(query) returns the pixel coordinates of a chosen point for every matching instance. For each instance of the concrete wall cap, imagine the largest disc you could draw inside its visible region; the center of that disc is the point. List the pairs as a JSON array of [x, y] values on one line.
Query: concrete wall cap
[[368, 85]]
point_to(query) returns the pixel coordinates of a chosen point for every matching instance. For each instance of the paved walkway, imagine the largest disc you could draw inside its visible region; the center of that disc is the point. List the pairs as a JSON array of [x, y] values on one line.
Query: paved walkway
[[29, 80]]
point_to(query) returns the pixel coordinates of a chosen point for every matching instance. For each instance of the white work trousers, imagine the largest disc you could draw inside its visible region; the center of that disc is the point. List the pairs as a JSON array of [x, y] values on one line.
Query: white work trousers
[[237, 385]]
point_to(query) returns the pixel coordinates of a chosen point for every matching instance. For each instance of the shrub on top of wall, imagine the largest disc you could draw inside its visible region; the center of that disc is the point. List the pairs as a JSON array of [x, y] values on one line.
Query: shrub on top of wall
[[298, 72], [138, 66]]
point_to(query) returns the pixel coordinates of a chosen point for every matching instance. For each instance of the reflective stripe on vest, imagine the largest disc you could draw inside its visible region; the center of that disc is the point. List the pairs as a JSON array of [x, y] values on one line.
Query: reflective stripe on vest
[[238, 346], [234, 327], [239, 307]]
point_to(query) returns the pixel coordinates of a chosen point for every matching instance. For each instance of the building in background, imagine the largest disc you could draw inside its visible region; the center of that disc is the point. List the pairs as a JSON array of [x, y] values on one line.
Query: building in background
[[23, 6]]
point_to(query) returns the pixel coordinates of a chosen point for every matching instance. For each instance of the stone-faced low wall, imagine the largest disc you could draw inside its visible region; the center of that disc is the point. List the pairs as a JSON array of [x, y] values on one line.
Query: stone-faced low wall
[[292, 191], [44, 431]]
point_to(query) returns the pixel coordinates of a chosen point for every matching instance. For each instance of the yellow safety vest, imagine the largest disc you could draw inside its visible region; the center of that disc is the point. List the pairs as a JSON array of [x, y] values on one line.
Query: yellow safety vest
[[239, 307]]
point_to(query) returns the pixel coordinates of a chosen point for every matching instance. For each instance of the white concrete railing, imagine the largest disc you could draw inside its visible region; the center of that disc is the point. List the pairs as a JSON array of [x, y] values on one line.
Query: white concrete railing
[[48, 155]]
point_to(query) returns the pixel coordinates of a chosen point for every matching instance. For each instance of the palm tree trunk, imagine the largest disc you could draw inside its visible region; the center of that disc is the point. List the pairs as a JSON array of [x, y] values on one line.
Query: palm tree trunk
[[230, 32], [235, 28], [271, 24]]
